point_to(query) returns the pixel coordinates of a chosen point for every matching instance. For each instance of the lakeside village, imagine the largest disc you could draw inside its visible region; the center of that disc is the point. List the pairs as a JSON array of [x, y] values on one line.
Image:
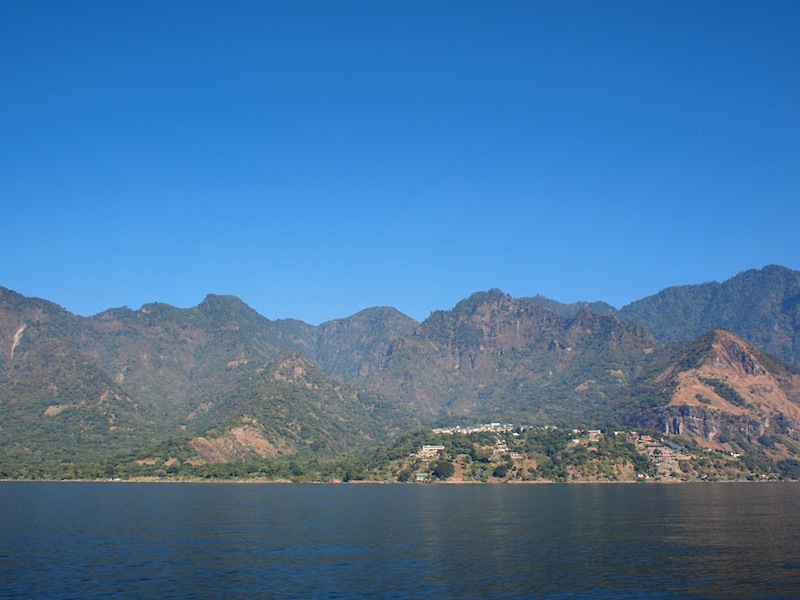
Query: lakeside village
[[496, 452]]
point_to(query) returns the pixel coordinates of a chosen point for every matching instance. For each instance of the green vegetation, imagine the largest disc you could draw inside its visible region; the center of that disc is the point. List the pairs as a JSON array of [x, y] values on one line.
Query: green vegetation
[[219, 391], [444, 470], [537, 454], [533, 454], [726, 392], [760, 305]]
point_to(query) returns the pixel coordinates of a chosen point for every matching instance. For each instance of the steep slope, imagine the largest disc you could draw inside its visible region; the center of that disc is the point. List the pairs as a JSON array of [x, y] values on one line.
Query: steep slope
[[351, 348], [727, 394], [762, 306], [493, 357], [76, 390], [170, 358], [56, 404]]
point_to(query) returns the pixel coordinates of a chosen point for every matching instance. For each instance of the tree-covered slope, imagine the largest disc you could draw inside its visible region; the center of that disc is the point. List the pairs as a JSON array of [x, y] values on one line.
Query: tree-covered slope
[[287, 408], [496, 358], [761, 305], [74, 390], [57, 404], [353, 347], [220, 376]]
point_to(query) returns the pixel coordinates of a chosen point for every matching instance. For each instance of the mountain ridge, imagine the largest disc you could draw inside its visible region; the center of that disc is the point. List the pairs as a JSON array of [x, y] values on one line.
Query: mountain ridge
[[761, 305], [84, 389]]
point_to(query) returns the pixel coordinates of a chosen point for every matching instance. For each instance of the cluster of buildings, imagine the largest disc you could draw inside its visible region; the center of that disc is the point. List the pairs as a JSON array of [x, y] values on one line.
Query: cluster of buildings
[[663, 454], [486, 427]]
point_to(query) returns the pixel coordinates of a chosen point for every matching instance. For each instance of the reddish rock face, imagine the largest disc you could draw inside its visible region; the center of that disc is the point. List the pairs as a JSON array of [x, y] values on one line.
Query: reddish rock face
[[732, 391]]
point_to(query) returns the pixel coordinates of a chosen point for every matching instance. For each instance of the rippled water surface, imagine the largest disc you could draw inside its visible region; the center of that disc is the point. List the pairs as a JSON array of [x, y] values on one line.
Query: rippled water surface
[[95, 540]]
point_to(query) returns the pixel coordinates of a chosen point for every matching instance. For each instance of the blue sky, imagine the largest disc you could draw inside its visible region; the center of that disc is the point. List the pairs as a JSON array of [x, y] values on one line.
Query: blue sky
[[319, 158]]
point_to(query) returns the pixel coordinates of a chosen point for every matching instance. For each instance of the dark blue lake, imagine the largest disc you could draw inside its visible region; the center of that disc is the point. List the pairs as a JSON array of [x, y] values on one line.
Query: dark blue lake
[[96, 540]]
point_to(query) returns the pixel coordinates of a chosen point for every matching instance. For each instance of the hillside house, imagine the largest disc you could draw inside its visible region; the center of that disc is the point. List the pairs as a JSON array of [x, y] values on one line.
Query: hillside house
[[430, 450]]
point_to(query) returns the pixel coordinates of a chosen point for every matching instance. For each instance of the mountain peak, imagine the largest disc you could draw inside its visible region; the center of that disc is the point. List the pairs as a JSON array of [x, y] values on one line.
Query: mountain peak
[[569, 310], [228, 311], [226, 300], [726, 352], [722, 383], [493, 296]]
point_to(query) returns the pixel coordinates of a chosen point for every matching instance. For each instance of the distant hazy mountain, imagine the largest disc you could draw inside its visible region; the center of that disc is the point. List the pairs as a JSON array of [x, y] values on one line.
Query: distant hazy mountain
[[762, 306]]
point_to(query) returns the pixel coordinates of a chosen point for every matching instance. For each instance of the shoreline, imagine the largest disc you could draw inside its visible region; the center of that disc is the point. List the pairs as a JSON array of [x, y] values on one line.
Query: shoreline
[[409, 484]]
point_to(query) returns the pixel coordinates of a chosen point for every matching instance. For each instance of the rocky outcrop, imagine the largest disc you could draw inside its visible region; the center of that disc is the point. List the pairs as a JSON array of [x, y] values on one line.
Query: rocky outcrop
[[714, 426], [724, 391]]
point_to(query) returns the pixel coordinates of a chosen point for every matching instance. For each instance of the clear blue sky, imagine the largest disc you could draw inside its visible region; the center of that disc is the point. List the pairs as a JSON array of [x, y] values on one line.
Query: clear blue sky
[[319, 158]]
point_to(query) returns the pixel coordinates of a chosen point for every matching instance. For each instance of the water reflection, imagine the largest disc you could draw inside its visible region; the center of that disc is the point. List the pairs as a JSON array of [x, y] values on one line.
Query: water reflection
[[542, 541], [746, 539]]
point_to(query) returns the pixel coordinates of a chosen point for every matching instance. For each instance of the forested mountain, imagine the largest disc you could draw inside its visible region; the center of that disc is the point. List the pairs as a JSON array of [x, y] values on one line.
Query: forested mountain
[[760, 305], [221, 383], [74, 388], [492, 357], [56, 403], [354, 347], [287, 407], [571, 310]]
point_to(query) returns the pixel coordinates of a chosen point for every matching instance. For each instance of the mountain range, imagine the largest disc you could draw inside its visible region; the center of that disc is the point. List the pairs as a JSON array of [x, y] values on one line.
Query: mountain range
[[220, 383]]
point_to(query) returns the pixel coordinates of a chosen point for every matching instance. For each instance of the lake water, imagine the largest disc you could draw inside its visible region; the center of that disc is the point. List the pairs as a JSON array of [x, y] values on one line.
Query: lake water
[[160, 540]]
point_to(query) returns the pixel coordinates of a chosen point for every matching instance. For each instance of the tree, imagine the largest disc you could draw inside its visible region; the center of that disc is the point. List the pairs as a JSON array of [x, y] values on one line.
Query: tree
[[500, 471], [444, 470], [405, 476]]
